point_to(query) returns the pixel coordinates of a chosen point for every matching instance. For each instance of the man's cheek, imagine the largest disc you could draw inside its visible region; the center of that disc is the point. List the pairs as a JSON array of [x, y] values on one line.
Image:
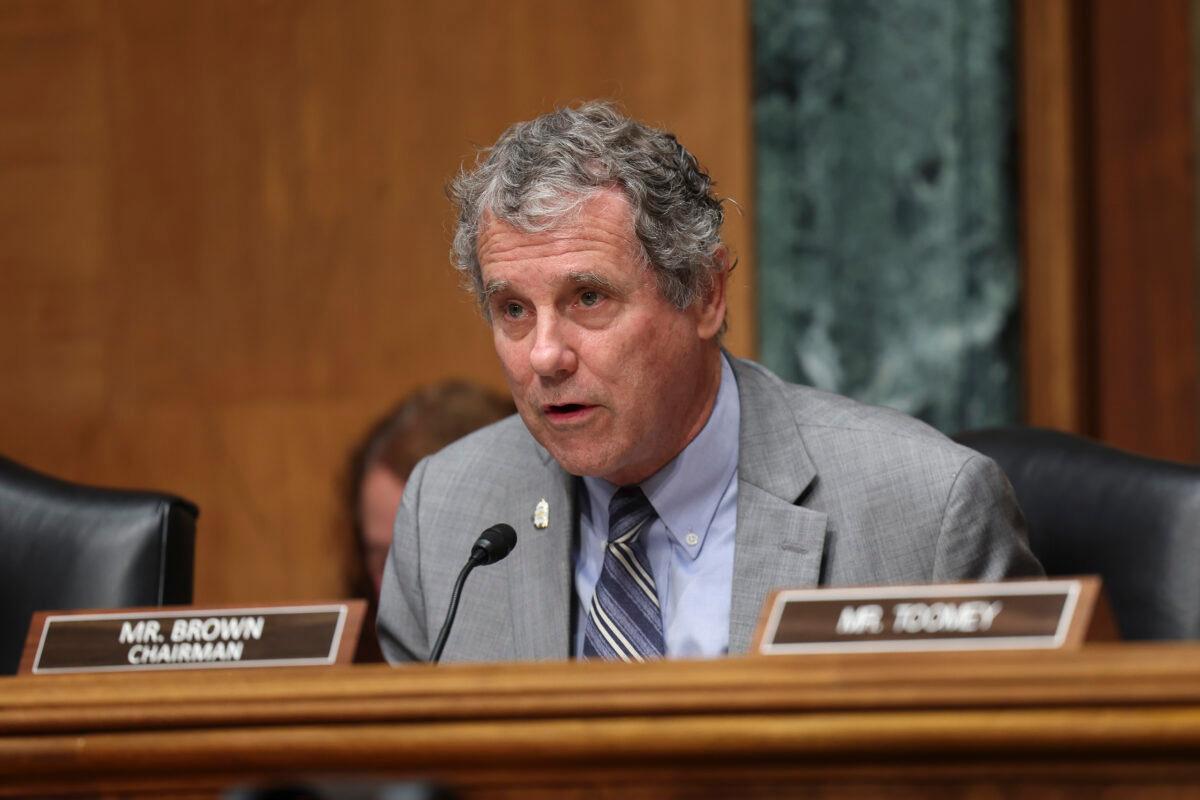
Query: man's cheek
[[512, 373]]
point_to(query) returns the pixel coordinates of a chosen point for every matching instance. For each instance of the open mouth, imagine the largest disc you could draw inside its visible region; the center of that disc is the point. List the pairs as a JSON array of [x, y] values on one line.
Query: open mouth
[[566, 408], [566, 412]]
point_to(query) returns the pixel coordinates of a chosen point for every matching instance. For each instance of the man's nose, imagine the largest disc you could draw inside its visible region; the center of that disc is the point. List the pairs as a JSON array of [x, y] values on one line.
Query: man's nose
[[552, 355]]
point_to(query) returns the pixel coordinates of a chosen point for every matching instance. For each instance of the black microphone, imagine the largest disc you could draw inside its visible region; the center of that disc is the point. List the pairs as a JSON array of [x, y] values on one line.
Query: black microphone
[[492, 545]]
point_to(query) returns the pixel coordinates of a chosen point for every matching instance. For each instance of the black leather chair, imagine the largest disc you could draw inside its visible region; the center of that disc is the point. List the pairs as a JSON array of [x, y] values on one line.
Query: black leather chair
[[1093, 509], [66, 546]]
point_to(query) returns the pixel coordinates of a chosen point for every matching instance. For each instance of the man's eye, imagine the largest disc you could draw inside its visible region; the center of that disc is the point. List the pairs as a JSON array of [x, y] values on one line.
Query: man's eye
[[589, 298], [513, 310]]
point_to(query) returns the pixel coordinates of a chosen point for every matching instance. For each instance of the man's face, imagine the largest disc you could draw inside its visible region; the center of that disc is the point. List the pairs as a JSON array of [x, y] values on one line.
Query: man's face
[[608, 376]]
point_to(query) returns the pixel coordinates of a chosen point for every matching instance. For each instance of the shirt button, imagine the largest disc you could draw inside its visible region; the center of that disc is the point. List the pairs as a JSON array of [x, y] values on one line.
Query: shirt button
[[692, 539]]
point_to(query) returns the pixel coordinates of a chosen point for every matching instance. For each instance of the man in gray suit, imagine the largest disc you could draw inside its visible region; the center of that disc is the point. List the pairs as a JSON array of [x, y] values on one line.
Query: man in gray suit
[[660, 488]]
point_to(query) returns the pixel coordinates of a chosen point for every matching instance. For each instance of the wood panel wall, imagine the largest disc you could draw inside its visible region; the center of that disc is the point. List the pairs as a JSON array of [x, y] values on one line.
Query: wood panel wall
[[223, 233], [1144, 193], [1055, 310], [1108, 218]]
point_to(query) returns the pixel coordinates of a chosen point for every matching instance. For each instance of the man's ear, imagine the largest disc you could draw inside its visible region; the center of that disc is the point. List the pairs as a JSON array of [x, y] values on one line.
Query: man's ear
[[711, 305]]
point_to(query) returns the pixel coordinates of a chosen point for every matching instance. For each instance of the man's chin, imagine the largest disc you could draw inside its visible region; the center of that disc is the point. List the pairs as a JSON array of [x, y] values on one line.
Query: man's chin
[[576, 451], [580, 468], [580, 464]]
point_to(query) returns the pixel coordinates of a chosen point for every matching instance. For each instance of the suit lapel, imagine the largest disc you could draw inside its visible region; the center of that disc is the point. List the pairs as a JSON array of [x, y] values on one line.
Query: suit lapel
[[778, 543], [540, 565]]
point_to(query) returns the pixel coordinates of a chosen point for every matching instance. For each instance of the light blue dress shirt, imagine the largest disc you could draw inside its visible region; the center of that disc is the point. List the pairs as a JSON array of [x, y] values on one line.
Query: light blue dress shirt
[[690, 544]]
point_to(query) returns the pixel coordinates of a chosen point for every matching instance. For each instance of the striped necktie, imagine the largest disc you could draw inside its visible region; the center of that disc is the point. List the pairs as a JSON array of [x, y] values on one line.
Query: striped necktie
[[624, 620]]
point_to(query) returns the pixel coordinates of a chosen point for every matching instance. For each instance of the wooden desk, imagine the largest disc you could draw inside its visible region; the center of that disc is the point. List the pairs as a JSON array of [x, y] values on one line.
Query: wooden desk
[[1119, 718]]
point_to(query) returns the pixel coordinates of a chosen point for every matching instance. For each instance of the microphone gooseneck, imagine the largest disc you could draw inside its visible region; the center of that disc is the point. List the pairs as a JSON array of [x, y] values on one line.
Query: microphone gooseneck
[[492, 545]]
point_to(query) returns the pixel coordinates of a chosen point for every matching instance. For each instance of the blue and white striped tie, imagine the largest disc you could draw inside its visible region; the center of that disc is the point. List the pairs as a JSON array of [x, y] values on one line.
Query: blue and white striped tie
[[624, 620]]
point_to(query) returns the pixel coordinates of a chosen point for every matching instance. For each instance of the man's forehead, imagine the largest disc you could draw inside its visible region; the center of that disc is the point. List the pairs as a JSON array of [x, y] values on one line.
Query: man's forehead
[[601, 228]]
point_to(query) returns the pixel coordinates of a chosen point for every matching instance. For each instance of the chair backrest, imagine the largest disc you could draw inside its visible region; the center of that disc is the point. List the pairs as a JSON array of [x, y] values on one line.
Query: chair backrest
[[1093, 509], [64, 546]]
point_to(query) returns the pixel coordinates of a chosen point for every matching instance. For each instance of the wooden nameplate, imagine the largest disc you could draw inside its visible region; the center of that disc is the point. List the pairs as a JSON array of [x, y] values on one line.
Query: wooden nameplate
[[193, 637], [1010, 615]]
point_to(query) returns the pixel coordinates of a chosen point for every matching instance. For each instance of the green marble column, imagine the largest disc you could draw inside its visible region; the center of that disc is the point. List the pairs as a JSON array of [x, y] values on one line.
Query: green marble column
[[886, 202]]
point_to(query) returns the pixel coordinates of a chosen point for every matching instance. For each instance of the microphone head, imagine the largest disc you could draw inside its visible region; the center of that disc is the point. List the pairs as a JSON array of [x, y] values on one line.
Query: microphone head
[[494, 544]]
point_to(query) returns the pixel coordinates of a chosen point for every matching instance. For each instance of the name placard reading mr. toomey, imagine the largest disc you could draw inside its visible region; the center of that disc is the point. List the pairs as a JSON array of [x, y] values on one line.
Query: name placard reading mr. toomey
[[189, 638], [960, 616]]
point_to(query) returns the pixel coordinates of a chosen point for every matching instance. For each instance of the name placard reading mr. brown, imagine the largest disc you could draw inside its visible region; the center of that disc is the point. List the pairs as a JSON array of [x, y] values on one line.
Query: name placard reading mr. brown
[[191, 638], [961, 616]]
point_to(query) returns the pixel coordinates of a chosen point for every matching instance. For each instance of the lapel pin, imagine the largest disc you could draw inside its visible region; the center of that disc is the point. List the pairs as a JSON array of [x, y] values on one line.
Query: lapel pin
[[541, 514]]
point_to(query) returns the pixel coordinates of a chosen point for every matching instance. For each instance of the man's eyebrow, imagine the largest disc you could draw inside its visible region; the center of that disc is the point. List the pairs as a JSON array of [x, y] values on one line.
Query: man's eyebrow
[[595, 279], [492, 288]]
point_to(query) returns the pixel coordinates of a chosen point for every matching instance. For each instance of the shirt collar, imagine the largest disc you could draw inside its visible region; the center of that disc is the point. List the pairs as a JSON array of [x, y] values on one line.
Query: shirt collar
[[686, 492]]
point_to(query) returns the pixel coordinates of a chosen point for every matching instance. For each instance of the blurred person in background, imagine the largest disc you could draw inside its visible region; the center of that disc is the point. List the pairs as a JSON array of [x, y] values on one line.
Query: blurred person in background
[[422, 423]]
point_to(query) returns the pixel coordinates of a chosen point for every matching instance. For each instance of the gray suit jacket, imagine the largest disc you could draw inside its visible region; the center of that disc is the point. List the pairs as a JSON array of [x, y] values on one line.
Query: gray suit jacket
[[830, 492]]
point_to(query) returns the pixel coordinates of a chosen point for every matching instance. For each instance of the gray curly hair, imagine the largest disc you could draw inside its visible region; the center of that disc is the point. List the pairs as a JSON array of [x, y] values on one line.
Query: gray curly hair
[[541, 171]]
